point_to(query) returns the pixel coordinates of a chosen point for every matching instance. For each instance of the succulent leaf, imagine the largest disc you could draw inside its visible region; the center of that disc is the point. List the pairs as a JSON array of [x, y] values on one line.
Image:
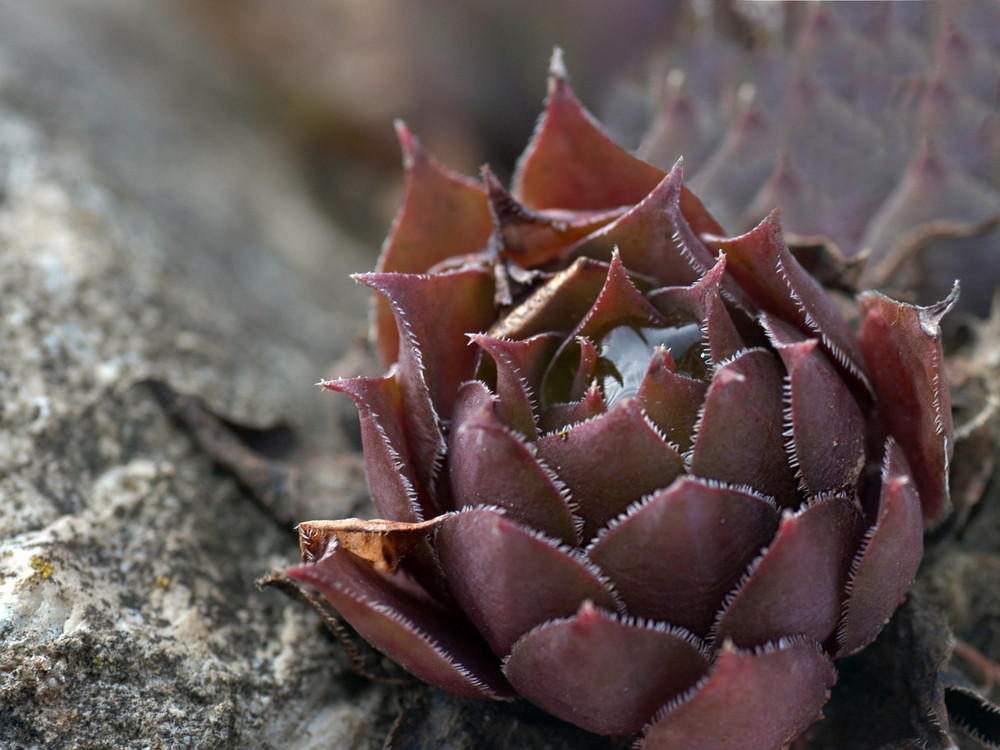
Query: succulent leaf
[[750, 450], [490, 465], [796, 587], [571, 163], [392, 482], [435, 200], [671, 400], [433, 642], [824, 424], [508, 578], [650, 237], [617, 670], [560, 416], [674, 555], [752, 700], [888, 557], [643, 462], [562, 301], [768, 271], [902, 344], [519, 373], [535, 238], [703, 303]]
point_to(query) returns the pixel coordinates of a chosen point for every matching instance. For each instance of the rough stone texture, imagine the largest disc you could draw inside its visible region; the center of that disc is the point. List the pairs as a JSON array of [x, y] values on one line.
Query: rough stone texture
[[149, 228]]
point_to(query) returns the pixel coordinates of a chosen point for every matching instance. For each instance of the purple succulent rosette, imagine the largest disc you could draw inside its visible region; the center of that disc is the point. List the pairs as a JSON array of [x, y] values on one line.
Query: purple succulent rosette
[[641, 474]]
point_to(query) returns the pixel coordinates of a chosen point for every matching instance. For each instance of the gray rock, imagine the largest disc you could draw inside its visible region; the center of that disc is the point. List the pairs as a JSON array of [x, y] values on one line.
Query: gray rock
[[150, 227]]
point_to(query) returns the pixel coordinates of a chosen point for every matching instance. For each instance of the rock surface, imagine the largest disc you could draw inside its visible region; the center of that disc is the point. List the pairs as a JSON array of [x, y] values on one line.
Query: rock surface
[[149, 228]]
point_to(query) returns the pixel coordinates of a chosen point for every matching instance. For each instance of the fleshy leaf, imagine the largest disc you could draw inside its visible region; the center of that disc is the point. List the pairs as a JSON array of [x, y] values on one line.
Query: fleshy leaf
[[888, 559], [762, 263], [520, 366], [562, 415], [671, 400], [796, 587], [702, 302], [675, 556], [603, 673], [433, 642], [392, 482], [902, 344], [653, 238], [434, 314], [442, 214], [739, 434], [535, 238], [508, 578], [752, 700], [619, 303], [572, 164], [642, 462], [490, 465], [585, 372], [823, 423]]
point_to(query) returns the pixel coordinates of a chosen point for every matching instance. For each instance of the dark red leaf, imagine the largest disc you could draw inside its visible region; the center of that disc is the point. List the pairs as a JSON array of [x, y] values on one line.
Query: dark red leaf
[[490, 465], [442, 214], [572, 164], [674, 557], [739, 434], [902, 344], [824, 426], [437, 644], [797, 586], [604, 673], [508, 578], [752, 700], [604, 483], [888, 559], [762, 263], [393, 484]]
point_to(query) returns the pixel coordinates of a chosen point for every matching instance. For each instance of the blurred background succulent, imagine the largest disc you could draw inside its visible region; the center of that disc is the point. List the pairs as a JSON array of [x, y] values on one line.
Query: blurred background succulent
[[874, 127], [663, 487]]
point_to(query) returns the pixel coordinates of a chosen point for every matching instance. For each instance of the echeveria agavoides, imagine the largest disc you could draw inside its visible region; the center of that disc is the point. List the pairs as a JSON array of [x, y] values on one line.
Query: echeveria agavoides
[[642, 474]]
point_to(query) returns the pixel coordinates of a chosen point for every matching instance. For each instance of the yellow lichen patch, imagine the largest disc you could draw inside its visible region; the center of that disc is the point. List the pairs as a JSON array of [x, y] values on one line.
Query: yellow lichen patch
[[42, 567], [162, 582], [102, 660]]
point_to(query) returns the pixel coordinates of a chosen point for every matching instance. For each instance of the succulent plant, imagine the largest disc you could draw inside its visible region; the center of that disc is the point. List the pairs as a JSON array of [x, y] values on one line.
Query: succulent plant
[[642, 474], [873, 125]]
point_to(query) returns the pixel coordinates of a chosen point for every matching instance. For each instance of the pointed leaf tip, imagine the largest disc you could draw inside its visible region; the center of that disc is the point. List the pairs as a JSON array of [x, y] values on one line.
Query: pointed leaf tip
[[903, 346], [572, 164], [557, 65]]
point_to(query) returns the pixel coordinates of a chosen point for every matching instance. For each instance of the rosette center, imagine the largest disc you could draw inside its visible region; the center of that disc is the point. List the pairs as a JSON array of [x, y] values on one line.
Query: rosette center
[[628, 351]]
